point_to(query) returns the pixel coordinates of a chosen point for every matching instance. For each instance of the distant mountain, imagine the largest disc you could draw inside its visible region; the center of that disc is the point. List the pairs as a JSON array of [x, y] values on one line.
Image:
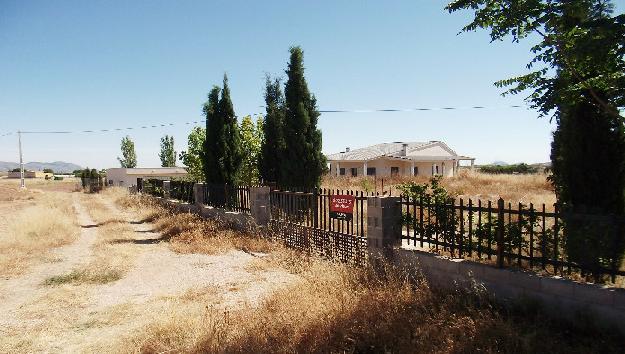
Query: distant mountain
[[499, 163], [56, 166]]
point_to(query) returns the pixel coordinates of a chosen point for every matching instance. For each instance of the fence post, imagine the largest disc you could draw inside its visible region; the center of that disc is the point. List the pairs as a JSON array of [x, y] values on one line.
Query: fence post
[[500, 232], [166, 189], [198, 193], [259, 205], [315, 207], [383, 225]]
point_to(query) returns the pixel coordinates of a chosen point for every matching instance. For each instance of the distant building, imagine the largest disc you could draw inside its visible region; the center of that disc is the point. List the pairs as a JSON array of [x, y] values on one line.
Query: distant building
[[30, 174], [127, 177], [398, 159]]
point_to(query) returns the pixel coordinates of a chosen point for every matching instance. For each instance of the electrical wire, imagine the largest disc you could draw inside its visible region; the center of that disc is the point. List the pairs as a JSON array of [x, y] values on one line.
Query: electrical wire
[[384, 110]]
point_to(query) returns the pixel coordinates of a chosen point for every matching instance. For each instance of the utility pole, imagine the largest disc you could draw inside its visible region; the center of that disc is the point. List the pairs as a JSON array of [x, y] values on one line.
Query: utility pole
[[19, 139]]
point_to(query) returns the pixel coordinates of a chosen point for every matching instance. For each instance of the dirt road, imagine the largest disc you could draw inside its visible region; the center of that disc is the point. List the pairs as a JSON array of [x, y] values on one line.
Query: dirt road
[[54, 308]]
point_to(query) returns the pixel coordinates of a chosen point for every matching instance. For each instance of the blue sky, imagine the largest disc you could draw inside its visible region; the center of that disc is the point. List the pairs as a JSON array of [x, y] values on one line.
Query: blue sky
[[74, 65]]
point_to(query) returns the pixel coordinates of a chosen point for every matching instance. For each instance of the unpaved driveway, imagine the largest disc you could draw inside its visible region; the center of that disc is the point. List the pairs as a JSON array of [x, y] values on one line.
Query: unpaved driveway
[[88, 317]]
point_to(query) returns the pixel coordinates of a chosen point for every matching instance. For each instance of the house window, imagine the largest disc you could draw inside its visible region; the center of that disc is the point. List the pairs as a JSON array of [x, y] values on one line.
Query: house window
[[415, 171], [342, 171], [354, 171], [394, 171], [436, 169], [370, 171]]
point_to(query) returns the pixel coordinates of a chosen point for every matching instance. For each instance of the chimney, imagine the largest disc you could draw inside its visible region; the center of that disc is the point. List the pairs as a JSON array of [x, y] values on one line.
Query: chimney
[[347, 149], [404, 149]]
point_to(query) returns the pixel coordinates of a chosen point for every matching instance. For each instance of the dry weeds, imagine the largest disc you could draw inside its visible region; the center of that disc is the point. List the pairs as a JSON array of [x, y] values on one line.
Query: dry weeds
[[190, 233], [336, 308], [30, 232], [531, 188]]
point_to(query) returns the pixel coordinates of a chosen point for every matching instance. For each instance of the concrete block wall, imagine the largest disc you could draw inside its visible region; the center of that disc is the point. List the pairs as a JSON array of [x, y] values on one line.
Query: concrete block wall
[[562, 298], [383, 224], [260, 207]]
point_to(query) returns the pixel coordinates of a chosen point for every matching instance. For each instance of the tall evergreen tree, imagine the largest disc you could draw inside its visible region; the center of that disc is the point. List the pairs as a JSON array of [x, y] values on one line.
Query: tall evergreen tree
[[273, 143], [233, 155], [129, 159], [213, 144], [302, 159], [168, 153]]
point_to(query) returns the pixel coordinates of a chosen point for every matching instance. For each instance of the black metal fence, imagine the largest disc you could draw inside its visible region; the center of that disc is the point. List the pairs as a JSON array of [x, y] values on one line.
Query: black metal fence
[[519, 235], [229, 197], [302, 220], [182, 190], [152, 186]]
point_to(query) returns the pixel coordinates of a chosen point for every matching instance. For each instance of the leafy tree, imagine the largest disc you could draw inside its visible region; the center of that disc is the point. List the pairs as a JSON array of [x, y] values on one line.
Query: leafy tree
[[251, 141], [214, 144], [273, 143], [168, 153], [48, 170], [302, 160], [192, 158], [129, 159], [578, 77]]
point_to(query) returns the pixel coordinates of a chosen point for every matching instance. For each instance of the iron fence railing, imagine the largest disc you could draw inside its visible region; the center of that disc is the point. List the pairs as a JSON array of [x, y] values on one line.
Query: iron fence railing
[[521, 235]]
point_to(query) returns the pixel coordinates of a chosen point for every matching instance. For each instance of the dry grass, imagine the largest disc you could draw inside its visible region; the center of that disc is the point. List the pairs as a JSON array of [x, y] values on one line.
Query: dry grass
[[336, 308], [190, 233], [532, 188], [30, 232]]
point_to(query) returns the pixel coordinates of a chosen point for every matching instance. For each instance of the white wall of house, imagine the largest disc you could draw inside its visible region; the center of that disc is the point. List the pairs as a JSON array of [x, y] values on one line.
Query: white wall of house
[[383, 167], [123, 177]]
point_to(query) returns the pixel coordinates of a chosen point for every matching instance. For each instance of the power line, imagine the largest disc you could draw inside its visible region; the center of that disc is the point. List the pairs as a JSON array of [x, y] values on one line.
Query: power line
[[382, 110]]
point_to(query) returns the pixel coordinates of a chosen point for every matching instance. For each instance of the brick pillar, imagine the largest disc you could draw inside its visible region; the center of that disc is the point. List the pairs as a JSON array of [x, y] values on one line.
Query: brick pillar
[[383, 225], [198, 192], [259, 205], [166, 189]]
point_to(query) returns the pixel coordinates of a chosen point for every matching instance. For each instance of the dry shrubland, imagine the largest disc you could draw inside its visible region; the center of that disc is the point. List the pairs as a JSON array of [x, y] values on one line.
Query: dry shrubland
[[190, 233], [529, 188], [332, 307], [31, 231], [337, 308]]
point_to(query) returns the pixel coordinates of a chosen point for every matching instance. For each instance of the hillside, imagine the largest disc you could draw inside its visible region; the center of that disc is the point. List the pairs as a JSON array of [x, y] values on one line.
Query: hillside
[[56, 166]]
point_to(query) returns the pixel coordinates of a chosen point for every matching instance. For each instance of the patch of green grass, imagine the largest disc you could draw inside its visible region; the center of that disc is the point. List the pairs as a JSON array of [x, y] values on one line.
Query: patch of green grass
[[84, 277]]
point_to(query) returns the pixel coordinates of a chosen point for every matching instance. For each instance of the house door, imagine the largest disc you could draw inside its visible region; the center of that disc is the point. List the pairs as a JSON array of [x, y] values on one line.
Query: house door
[[394, 171]]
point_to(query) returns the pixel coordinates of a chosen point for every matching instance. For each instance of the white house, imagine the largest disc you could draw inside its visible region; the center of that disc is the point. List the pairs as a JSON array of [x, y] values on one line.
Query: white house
[[398, 159], [127, 177]]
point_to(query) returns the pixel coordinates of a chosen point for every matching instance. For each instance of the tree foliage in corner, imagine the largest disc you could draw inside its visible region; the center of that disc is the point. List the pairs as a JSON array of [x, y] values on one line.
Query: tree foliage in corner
[[129, 159], [577, 76], [192, 157], [168, 153], [302, 160], [251, 140], [273, 143], [222, 148]]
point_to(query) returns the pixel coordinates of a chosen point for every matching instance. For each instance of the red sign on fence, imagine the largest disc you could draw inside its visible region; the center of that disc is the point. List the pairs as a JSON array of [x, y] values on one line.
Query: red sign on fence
[[342, 206]]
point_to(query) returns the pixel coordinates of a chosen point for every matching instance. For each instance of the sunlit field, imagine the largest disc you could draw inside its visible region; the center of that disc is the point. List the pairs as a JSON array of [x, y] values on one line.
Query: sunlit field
[[516, 188]]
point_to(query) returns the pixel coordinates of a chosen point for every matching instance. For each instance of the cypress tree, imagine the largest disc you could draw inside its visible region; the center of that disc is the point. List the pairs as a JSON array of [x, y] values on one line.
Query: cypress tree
[[272, 147], [213, 144], [302, 159], [589, 178], [231, 139]]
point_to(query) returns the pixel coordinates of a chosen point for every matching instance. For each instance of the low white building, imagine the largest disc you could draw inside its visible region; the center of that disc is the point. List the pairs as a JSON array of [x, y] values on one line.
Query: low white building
[[127, 177], [398, 159]]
